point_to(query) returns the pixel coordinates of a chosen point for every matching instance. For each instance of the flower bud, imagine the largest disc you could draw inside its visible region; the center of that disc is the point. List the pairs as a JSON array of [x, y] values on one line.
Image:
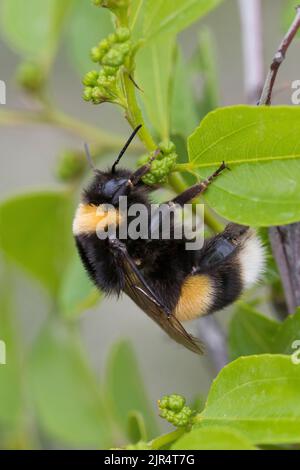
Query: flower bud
[[122, 34], [173, 409], [96, 54], [31, 77], [88, 93], [71, 166], [109, 71], [162, 166], [113, 58], [90, 79]]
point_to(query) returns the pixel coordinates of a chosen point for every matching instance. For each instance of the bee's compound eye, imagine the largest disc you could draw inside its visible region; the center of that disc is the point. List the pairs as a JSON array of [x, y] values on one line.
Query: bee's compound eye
[[112, 186]]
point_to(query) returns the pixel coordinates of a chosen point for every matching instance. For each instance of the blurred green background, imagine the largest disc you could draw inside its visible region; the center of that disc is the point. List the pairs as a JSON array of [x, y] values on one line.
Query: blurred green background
[[71, 379]]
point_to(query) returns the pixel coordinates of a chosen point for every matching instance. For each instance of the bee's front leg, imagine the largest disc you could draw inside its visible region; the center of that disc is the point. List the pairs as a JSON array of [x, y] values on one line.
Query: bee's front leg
[[198, 189]]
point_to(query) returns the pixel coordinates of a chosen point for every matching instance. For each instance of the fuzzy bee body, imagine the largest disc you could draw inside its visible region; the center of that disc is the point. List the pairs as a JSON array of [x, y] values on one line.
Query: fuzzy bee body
[[169, 283]]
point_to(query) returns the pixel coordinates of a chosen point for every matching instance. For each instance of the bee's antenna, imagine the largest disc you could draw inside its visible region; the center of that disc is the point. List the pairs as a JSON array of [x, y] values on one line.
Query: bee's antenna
[[89, 157], [113, 169]]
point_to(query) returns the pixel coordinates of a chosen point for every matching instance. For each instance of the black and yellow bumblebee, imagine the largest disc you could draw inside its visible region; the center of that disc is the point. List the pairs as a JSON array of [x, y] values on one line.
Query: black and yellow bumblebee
[[169, 283]]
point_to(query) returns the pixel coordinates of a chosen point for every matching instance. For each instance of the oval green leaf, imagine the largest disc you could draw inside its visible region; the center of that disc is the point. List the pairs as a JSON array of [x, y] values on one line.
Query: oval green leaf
[[172, 16], [36, 233], [126, 390], [262, 149], [258, 396], [251, 332], [213, 438], [77, 293], [33, 27], [88, 26], [64, 391]]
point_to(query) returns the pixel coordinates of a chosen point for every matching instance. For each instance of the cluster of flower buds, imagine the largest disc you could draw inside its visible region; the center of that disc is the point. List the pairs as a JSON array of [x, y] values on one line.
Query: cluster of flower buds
[[163, 164], [173, 409], [111, 53]]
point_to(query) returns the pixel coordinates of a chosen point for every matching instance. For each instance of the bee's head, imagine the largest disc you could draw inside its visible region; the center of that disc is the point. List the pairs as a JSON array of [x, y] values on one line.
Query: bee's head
[[108, 186]]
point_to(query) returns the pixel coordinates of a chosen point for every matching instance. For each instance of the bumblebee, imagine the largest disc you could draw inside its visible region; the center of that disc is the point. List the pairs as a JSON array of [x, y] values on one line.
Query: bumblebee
[[169, 283]]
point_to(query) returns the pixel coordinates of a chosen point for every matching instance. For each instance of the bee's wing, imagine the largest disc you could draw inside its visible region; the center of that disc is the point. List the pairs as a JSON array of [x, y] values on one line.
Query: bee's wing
[[138, 290]]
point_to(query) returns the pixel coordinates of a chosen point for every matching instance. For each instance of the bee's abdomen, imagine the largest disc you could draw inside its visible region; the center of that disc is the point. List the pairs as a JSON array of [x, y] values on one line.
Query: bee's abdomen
[[217, 282]]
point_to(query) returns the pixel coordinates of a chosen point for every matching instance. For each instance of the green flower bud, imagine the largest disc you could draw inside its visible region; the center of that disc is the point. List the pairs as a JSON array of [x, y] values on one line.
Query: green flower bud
[[122, 34], [88, 93], [90, 79], [172, 402], [123, 48], [104, 45], [98, 95], [173, 409], [71, 166], [96, 54], [113, 58], [162, 166], [31, 77], [167, 147], [107, 82], [109, 71], [112, 39]]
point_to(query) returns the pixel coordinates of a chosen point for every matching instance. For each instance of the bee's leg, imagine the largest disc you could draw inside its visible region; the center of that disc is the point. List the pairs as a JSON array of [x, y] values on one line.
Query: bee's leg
[[197, 189]]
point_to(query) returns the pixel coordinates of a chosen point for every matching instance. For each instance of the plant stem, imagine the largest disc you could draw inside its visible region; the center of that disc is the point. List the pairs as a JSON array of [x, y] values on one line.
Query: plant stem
[[266, 97], [166, 439], [134, 114], [285, 240], [64, 121]]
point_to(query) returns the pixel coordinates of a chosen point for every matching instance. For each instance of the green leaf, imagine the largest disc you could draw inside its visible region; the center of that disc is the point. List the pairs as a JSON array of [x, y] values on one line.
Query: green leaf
[[154, 67], [288, 15], [172, 16], [250, 332], [126, 390], [213, 438], [88, 25], [136, 17], [258, 396], [11, 399], [77, 293], [183, 110], [137, 428], [64, 391], [35, 232], [206, 63], [287, 334], [262, 148], [33, 27]]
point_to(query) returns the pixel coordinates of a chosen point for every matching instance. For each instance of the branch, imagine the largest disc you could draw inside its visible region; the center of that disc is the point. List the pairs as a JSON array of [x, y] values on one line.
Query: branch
[[266, 97], [251, 21], [285, 240], [213, 336], [88, 132]]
